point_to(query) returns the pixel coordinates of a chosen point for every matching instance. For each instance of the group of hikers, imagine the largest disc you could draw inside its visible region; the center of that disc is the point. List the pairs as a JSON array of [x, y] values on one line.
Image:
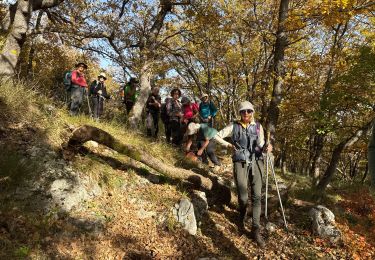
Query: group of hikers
[[76, 87], [96, 93], [183, 118]]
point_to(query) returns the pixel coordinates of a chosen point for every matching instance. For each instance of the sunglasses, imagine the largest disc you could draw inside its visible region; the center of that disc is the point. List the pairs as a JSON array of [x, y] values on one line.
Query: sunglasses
[[249, 111]]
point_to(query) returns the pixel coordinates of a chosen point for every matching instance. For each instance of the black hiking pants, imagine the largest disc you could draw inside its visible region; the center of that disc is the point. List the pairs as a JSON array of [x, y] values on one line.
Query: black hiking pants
[[243, 176], [168, 133], [155, 124], [97, 106], [129, 105], [175, 127]]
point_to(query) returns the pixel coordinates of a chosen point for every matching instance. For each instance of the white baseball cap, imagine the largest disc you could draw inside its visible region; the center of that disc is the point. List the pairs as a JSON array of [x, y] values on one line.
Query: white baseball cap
[[245, 105], [193, 128]]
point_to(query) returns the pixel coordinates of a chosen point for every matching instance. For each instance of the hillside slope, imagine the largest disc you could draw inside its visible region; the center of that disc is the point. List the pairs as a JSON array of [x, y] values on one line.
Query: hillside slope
[[103, 205]]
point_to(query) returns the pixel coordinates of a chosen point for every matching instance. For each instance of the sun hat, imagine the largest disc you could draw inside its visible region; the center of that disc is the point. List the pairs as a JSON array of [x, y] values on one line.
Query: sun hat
[[193, 128], [102, 75], [204, 95], [245, 105], [81, 64]]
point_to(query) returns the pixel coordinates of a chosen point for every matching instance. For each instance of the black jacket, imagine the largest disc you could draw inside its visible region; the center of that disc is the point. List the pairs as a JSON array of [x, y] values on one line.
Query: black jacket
[[95, 87]]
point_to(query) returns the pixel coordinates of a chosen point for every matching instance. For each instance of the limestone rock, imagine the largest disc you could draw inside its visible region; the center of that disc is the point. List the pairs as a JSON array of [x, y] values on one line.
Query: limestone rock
[[323, 224], [184, 214], [199, 200], [68, 194], [271, 227]]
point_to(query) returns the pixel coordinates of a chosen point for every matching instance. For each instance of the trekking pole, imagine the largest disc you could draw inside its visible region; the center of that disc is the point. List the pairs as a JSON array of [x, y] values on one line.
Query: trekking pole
[[267, 172], [88, 102], [278, 192]]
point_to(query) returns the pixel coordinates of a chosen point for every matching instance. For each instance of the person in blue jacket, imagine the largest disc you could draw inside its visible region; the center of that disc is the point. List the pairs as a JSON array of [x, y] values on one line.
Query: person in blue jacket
[[207, 110]]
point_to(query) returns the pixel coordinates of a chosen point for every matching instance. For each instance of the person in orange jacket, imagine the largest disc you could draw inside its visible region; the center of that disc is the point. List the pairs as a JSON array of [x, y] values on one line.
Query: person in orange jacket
[[78, 88]]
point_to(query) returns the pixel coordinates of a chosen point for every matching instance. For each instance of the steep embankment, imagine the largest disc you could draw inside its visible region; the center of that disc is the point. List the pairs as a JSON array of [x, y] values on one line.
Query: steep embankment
[[103, 205]]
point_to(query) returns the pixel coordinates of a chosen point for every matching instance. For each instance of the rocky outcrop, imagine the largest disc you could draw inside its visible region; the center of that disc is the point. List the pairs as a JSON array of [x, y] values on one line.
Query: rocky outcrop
[[184, 214], [323, 224]]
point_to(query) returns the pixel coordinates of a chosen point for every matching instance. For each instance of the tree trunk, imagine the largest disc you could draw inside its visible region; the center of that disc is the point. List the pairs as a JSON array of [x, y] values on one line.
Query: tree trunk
[[29, 69], [145, 89], [15, 25], [278, 71], [336, 155], [15, 38], [365, 174], [86, 133], [317, 157]]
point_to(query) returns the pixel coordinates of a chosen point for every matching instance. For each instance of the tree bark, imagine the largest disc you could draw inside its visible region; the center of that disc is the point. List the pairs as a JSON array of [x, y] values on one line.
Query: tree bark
[[148, 47], [318, 145], [145, 89], [278, 70], [29, 69], [15, 38], [86, 133], [336, 155], [15, 26]]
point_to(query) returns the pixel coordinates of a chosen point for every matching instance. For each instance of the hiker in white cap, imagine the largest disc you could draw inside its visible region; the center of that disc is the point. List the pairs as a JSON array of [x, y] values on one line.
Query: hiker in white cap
[[247, 145], [205, 142], [98, 93]]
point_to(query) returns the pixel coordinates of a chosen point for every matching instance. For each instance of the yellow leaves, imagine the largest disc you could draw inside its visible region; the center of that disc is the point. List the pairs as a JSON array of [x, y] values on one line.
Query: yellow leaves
[[14, 52], [333, 11]]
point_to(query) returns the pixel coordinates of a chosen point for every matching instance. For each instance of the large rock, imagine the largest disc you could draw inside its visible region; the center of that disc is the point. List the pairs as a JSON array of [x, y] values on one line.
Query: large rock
[[323, 224], [184, 214], [199, 200], [68, 193]]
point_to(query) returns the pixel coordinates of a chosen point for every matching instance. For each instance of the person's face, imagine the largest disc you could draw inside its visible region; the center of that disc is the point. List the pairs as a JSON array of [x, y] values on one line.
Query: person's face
[[246, 115], [155, 91], [205, 99], [81, 68], [176, 95], [101, 79]]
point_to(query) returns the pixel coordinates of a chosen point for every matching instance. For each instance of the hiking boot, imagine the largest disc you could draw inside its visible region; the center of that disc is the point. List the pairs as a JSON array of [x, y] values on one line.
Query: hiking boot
[[241, 220], [255, 234]]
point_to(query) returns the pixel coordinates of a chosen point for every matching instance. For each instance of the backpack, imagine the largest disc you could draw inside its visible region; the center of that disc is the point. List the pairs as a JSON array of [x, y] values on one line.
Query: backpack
[[67, 80], [163, 111]]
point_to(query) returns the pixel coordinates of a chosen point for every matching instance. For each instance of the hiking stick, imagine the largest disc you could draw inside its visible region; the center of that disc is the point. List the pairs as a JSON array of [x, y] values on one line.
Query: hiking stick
[[88, 103], [278, 192], [267, 172]]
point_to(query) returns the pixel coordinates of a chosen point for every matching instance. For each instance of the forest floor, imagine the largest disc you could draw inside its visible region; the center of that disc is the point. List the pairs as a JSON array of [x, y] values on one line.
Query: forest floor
[[131, 217]]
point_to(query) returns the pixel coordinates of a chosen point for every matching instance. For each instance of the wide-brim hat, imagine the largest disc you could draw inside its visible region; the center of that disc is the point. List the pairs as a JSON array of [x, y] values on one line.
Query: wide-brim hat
[[176, 89], [81, 64], [193, 128], [102, 75], [245, 105]]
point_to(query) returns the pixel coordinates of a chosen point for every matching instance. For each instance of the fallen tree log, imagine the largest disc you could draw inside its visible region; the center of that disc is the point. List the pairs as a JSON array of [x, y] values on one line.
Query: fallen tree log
[[90, 133]]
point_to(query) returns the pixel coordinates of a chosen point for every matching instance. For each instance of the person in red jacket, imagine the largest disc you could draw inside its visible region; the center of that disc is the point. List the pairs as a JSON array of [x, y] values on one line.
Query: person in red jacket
[[78, 88]]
